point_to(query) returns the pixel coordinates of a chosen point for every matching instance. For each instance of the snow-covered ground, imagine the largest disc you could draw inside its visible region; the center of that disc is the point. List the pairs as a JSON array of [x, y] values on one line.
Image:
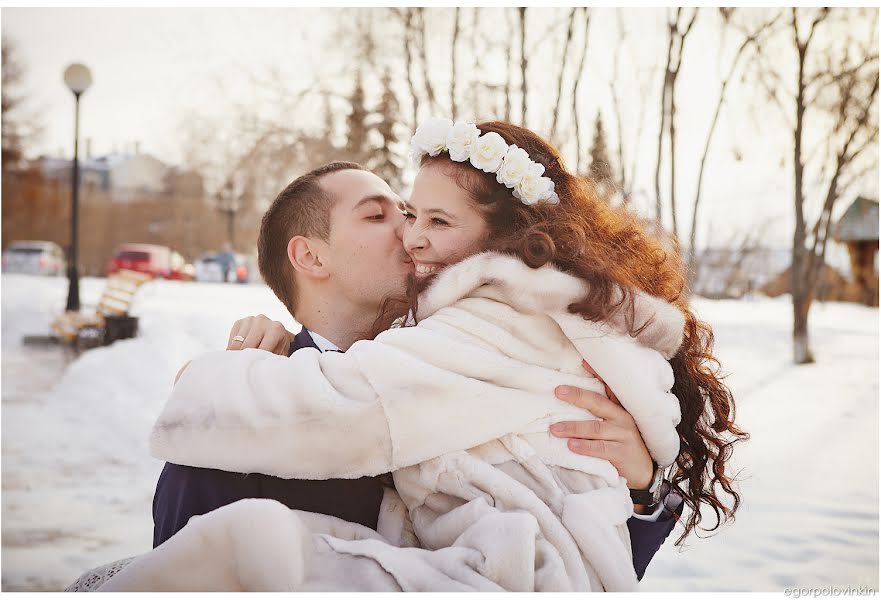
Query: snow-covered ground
[[77, 480]]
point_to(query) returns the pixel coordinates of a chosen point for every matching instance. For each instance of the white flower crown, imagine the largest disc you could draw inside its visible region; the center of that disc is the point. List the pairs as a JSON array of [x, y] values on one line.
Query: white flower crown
[[489, 153]]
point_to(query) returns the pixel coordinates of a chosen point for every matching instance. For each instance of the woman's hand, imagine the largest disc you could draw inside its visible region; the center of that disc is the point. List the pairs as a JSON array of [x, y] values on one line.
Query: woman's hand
[[613, 436], [262, 333]]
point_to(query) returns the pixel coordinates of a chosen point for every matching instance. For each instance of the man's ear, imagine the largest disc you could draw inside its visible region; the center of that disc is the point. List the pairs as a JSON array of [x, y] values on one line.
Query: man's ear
[[303, 254]]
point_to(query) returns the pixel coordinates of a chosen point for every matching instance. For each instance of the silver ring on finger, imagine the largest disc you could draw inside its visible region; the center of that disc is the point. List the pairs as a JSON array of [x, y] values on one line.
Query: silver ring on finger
[[239, 339]]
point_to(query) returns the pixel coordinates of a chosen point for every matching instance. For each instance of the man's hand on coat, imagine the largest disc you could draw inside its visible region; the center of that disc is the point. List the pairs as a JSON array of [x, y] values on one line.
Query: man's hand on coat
[[262, 333], [613, 436]]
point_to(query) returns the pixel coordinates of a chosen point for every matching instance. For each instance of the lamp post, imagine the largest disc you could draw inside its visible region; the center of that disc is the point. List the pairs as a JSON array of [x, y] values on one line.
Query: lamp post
[[78, 79]]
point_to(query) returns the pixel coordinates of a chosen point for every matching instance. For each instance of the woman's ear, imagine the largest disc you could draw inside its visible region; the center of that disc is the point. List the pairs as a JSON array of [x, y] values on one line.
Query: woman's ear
[[303, 254]]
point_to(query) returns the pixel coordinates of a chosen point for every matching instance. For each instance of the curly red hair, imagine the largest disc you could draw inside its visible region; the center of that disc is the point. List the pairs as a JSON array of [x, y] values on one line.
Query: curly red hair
[[611, 250]]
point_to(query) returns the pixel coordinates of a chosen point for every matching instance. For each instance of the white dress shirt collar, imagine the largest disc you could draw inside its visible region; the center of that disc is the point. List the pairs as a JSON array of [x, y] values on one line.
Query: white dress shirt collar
[[323, 343]]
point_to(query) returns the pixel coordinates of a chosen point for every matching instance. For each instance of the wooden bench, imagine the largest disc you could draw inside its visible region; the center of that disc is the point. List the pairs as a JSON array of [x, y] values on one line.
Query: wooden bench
[[116, 300]]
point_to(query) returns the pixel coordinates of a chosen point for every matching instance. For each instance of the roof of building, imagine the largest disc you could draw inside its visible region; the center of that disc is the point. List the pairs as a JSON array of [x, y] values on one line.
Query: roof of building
[[859, 223]]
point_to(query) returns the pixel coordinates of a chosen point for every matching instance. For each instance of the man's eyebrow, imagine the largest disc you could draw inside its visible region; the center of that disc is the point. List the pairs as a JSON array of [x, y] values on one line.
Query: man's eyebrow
[[381, 198]]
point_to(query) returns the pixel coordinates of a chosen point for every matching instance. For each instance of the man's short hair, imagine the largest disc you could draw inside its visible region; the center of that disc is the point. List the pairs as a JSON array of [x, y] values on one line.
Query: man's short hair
[[302, 208]]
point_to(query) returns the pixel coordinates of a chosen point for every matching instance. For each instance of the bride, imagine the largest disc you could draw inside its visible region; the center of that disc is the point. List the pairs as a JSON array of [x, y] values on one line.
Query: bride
[[521, 272]]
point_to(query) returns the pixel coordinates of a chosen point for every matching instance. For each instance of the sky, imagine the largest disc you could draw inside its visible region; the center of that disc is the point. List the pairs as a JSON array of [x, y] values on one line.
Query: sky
[[153, 67]]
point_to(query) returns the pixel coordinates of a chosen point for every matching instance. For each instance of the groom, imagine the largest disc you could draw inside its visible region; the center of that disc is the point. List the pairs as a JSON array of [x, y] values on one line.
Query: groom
[[330, 248]]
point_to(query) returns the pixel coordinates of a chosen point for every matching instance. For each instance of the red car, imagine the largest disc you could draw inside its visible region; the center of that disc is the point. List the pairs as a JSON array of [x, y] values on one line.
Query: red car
[[159, 261]]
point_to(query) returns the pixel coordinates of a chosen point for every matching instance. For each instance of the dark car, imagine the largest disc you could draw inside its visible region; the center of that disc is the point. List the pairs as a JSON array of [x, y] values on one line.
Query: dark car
[[222, 267]]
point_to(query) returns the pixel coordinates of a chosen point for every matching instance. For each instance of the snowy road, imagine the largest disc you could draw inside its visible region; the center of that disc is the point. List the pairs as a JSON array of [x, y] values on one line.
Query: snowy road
[[77, 480]]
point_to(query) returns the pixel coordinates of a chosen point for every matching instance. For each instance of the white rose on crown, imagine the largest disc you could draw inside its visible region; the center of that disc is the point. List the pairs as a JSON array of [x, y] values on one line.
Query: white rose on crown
[[461, 140], [548, 195], [431, 137], [533, 188], [515, 165], [488, 152]]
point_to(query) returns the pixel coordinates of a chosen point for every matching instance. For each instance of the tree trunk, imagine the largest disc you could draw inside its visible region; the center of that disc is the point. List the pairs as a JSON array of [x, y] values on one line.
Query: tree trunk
[[673, 152], [671, 33], [674, 75], [407, 18], [800, 342], [523, 64], [616, 105], [453, 64], [475, 53], [578, 75], [563, 61], [423, 51], [800, 293], [509, 67]]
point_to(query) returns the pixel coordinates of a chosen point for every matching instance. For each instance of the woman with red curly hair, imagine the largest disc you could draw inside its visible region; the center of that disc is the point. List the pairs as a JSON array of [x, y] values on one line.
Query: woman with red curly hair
[[520, 273], [609, 248]]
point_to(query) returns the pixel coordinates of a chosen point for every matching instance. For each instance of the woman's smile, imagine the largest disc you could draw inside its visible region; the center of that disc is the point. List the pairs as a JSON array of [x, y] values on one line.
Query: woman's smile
[[424, 268]]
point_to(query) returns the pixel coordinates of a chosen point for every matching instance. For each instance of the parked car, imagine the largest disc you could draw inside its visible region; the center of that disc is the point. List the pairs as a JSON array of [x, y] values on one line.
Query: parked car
[[34, 258], [222, 267], [159, 261]]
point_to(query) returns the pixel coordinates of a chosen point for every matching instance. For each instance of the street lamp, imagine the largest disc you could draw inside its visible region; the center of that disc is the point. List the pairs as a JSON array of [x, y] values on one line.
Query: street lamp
[[78, 79]]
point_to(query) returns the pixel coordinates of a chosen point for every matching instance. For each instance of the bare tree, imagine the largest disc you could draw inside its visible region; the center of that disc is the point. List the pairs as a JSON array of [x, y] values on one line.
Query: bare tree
[[616, 104], [423, 53], [678, 31], [524, 63], [665, 86], [509, 64], [578, 75], [453, 47], [563, 62], [674, 74], [645, 78], [406, 17], [19, 126], [835, 93], [262, 149], [750, 38], [625, 177]]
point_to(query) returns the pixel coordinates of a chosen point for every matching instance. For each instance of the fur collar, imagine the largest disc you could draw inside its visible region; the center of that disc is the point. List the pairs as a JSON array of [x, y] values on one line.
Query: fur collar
[[545, 290]]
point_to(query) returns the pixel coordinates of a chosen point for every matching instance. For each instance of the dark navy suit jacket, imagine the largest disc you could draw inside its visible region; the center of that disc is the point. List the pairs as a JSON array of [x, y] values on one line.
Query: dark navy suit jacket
[[183, 492]]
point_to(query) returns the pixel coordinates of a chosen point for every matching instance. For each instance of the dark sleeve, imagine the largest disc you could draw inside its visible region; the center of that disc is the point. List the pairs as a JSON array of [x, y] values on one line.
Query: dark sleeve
[[646, 538], [184, 492]]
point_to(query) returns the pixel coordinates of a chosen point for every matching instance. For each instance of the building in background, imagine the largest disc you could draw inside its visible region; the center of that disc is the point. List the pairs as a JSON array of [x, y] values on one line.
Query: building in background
[[126, 175], [858, 230], [124, 198]]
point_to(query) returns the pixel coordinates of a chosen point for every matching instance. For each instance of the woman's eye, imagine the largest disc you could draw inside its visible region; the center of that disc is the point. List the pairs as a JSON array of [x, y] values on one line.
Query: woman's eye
[[436, 221], [379, 217], [409, 215]]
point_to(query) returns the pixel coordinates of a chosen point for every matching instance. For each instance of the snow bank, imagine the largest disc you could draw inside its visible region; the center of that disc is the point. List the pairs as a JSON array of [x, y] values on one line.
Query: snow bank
[[77, 477], [78, 482]]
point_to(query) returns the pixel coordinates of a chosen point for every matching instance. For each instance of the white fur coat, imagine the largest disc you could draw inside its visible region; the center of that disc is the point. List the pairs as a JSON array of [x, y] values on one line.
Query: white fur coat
[[458, 408]]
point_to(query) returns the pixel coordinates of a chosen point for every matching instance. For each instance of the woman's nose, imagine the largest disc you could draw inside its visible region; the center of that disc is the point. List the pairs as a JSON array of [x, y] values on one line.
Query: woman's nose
[[413, 237]]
